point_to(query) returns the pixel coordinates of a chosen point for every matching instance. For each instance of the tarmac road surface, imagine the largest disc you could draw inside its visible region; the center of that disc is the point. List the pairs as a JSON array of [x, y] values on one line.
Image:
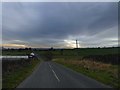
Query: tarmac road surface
[[52, 75]]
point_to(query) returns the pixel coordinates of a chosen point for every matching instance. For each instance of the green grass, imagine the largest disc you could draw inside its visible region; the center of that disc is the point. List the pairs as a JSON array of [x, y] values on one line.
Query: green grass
[[15, 52], [103, 74], [67, 52], [13, 79]]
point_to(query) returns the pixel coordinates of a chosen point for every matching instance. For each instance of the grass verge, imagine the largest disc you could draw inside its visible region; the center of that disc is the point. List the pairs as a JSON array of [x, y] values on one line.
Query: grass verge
[[13, 79], [105, 73]]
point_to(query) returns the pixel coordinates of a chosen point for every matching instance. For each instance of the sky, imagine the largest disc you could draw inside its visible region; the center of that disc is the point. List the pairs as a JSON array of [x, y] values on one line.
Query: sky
[[59, 24], [60, 0]]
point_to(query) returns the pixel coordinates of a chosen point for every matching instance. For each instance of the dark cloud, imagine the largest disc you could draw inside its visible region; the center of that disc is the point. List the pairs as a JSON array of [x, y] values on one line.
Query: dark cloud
[[51, 23], [107, 19]]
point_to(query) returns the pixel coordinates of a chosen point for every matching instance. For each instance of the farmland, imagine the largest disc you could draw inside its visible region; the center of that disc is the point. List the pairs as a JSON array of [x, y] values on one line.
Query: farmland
[[106, 55], [98, 63], [64, 52], [15, 52]]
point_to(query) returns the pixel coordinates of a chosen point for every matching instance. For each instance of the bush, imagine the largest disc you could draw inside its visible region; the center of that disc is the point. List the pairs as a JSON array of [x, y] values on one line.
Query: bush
[[112, 59]]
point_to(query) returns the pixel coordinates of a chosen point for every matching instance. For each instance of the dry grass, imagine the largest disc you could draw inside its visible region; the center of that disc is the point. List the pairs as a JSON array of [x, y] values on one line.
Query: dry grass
[[95, 66], [92, 65], [106, 73]]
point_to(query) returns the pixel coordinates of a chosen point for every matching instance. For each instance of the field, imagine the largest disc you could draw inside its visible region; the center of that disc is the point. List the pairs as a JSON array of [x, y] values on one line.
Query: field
[[65, 52], [15, 52], [106, 55], [98, 63]]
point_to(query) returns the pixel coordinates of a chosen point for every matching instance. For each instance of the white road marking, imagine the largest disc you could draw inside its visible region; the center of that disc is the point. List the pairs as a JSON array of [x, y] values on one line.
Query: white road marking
[[50, 66], [54, 73]]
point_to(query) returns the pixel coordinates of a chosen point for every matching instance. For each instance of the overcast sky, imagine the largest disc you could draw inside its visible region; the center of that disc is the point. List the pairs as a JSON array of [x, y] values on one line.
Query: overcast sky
[[59, 24], [60, 0]]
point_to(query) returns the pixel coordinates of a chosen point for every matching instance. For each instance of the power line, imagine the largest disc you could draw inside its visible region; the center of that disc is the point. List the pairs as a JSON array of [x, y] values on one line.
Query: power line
[[76, 44]]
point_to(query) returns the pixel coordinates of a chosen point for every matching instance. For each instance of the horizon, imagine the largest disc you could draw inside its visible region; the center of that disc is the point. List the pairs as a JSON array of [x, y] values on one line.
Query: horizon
[[58, 48]]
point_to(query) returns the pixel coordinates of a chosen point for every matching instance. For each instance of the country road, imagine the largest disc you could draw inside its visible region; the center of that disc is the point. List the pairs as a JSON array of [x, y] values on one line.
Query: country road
[[52, 75]]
